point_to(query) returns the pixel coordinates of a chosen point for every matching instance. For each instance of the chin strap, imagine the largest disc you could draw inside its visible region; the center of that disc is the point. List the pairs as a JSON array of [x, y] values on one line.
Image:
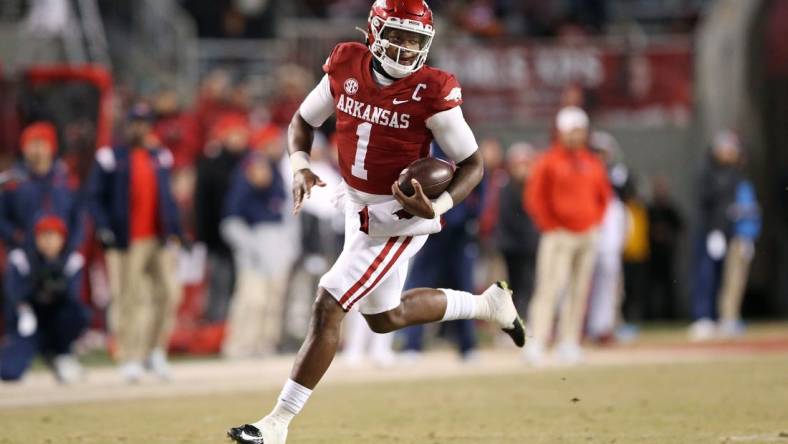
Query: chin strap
[[378, 68], [363, 31]]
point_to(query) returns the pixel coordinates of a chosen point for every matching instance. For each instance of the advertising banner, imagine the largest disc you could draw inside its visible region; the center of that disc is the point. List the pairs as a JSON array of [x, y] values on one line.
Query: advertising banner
[[650, 85]]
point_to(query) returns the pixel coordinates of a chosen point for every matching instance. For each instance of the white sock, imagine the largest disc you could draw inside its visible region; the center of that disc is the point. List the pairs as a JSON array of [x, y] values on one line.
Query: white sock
[[291, 401], [464, 305]]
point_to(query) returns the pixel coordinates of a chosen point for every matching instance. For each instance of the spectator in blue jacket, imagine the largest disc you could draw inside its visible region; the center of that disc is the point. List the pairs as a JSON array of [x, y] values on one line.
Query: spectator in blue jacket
[[719, 178], [43, 310], [253, 228], [745, 219], [39, 184], [447, 260], [137, 222]]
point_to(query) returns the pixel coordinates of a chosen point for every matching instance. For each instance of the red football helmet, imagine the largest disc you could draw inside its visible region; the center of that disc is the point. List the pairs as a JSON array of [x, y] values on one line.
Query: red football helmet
[[412, 16]]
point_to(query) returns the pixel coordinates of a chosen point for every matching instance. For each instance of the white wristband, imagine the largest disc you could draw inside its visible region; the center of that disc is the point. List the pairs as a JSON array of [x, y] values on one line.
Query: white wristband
[[299, 161], [442, 204]]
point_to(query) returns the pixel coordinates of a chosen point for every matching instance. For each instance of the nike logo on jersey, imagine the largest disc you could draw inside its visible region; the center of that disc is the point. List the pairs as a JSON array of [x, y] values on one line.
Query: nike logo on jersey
[[399, 102], [373, 114]]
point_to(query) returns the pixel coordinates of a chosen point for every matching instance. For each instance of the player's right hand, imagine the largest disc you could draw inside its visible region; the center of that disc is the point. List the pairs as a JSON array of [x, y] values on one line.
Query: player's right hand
[[303, 181]]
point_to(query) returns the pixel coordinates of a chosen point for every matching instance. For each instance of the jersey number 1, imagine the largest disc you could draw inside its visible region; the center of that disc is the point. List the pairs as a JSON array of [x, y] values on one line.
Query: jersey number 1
[[363, 133]]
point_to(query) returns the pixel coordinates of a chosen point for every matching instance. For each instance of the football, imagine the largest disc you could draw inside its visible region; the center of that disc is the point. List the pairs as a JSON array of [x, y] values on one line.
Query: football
[[432, 173]]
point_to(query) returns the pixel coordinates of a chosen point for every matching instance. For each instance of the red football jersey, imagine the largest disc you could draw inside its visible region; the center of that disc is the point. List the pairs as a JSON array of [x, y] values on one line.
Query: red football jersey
[[381, 129]]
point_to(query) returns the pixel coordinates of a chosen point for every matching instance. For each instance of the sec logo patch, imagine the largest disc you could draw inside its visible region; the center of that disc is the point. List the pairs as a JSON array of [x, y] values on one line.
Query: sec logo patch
[[351, 86]]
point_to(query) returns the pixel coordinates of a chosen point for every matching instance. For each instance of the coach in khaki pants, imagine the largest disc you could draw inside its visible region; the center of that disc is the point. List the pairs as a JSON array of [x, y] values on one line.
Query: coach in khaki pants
[[566, 195], [137, 223], [745, 221]]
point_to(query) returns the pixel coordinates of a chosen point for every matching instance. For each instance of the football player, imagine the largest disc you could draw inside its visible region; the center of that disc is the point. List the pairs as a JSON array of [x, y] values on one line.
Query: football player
[[389, 107]]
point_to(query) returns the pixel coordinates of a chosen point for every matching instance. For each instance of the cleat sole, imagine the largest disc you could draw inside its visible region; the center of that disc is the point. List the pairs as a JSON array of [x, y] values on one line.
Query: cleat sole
[[516, 332]]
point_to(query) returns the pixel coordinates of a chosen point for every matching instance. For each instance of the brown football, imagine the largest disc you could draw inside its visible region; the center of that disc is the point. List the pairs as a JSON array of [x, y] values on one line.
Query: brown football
[[434, 176]]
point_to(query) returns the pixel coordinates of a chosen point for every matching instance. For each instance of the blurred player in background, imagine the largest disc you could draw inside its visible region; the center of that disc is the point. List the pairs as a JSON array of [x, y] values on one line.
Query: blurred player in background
[[389, 107], [605, 297]]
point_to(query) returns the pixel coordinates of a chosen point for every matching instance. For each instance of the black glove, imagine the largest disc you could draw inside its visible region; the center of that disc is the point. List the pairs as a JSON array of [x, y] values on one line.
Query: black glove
[[50, 285], [187, 243], [106, 237]]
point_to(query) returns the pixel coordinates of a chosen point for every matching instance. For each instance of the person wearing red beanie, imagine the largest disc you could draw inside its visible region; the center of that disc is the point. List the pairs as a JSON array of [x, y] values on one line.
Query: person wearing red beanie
[[40, 132], [51, 223], [40, 183], [39, 146]]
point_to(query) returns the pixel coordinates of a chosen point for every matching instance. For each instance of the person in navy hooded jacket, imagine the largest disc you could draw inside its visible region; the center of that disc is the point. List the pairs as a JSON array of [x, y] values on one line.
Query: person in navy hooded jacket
[[137, 222], [39, 184], [253, 226], [447, 260], [43, 310]]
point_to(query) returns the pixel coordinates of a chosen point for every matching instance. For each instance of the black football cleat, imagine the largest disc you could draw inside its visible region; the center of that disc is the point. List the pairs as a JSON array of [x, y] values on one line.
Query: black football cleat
[[505, 313], [270, 431], [246, 434]]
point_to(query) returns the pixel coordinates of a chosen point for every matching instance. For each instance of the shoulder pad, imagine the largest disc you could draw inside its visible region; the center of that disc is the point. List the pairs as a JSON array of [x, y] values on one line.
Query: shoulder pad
[[445, 90], [342, 53]]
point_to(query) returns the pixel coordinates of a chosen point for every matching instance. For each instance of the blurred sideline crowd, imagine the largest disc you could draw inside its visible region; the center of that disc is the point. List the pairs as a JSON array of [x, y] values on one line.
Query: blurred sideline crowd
[[181, 237], [480, 19]]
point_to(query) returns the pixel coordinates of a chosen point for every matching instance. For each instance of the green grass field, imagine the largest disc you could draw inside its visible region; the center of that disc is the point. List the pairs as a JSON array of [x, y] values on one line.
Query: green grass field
[[732, 400]]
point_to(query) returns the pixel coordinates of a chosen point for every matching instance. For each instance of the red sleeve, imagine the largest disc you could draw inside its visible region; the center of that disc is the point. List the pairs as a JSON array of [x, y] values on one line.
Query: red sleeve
[[449, 95], [535, 198]]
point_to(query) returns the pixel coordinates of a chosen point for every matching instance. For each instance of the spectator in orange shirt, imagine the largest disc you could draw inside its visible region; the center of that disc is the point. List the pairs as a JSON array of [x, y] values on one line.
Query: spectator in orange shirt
[[566, 196]]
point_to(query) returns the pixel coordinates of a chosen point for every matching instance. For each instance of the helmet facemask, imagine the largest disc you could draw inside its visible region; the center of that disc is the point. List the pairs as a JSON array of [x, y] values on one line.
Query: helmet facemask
[[392, 42]]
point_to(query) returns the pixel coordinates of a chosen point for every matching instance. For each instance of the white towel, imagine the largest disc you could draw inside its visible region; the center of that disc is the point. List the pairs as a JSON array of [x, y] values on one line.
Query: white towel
[[388, 219]]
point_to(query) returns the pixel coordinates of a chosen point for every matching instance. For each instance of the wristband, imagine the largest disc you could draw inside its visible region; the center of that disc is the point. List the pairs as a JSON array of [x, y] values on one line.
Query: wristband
[[442, 204], [299, 161]]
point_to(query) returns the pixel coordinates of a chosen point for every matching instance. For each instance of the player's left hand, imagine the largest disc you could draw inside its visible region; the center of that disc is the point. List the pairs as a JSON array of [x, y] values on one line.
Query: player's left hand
[[418, 205]]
